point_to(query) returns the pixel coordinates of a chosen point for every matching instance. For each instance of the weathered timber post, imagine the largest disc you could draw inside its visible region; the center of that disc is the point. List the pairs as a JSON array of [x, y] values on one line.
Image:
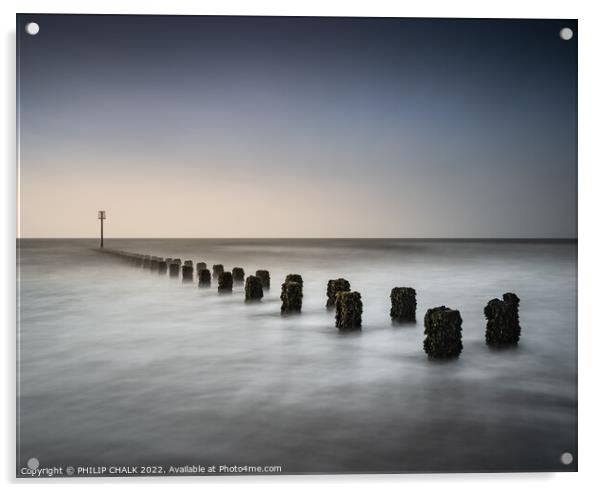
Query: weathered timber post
[[253, 288], [187, 273], [264, 276], [217, 271], [443, 330], [294, 277], [349, 309], [238, 274], [291, 297], [224, 282], [334, 286], [403, 304], [204, 278], [503, 326], [174, 269]]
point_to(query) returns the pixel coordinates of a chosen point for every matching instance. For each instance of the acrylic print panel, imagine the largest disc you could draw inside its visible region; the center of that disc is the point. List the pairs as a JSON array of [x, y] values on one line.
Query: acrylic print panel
[[278, 245]]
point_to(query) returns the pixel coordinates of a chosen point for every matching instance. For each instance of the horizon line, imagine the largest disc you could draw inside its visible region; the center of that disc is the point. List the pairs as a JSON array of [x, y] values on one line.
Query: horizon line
[[475, 238]]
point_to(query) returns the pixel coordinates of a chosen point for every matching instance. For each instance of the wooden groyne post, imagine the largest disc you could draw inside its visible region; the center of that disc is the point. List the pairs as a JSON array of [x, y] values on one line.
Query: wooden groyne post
[[264, 276], [217, 271], [334, 286], [204, 277], [253, 288], [238, 275], [292, 294], [224, 282], [403, 304], [187, 272], [349, 309], [503, 326], [443, 330], [174, 269]]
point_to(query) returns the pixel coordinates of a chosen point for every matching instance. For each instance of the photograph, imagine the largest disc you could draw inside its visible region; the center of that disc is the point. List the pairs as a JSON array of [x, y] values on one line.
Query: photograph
[[284, 245]]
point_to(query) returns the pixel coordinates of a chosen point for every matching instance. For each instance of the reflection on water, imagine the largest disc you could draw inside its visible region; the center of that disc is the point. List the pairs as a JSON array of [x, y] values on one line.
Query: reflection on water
[[122, 366]]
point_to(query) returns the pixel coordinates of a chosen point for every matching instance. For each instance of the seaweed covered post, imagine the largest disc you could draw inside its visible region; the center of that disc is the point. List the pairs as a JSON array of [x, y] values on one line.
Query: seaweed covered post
[[187, 273], [217, 271], [238, 275], [162, 267], [146, 262], [291, 297], [512, 298], [334, 286], [443, 330], [403, 304], [294, 277], [204, 278], [264, 276], [174, 269], [503, 326], [253, 288], [200, 266], [188, 263], [154, 265], [349, 309], [224, 282]]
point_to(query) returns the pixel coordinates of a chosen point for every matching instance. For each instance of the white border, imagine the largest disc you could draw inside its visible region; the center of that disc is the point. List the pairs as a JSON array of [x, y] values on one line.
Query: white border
[[590, 160]]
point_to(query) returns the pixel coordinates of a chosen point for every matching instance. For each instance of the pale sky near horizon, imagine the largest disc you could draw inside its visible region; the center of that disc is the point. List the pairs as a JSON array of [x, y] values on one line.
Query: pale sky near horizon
[[297, 127]]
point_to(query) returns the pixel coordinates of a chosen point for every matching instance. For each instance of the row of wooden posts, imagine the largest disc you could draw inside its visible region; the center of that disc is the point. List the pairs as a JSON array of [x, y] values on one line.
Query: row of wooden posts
[[442, 325]]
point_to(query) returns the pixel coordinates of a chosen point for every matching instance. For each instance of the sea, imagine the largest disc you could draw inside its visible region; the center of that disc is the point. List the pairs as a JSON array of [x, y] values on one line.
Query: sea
[[119, 366]]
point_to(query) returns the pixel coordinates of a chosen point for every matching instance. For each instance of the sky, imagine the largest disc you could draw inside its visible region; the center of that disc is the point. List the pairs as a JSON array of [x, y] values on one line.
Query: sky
[[296, 127]]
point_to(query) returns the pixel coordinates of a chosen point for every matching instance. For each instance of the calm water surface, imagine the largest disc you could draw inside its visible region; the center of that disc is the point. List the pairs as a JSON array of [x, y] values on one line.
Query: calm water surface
[[121, 366]]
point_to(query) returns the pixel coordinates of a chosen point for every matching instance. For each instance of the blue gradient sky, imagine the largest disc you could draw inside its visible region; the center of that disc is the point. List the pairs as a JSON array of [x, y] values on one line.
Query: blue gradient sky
[[297, 127]]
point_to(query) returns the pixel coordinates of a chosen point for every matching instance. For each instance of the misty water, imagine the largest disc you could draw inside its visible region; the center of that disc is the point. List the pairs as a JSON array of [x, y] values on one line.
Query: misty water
[[122, 366]]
